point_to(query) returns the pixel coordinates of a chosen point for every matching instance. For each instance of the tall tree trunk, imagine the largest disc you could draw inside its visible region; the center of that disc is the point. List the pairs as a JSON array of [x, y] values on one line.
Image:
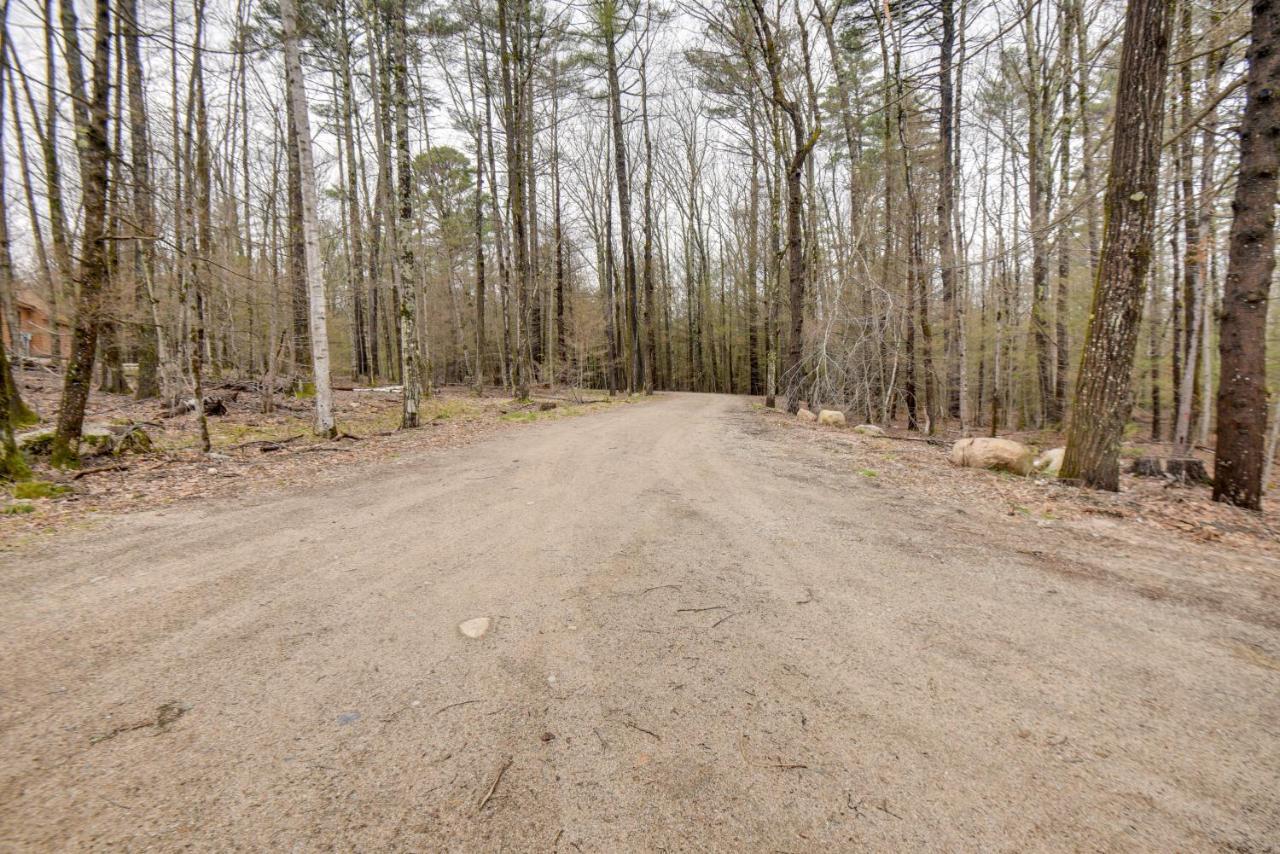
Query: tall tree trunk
[[561, 350], [407, 309], [478, 219], [650, 309], [297, 255], [153, 350], [1207, 236], [1242, 395], [18, 412], [58, 238], [1061, 345], [1102, 399], [802, 146], [608, 27], [1039, 120], [198, 247], [324, 424], [90, 112], [112, 375], [1153, 356], [355, 270], [511, 46], [946, 211], [1192, 301], [754, 385]]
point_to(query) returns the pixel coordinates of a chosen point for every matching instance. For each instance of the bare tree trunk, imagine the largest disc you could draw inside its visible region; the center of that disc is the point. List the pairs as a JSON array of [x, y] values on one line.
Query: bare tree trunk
[[297, 254], [1153, 356], [198, 247], [608, 31], [359, 337], [324, 424], [650, 309], [1039, 121], [90, 112], [410, 362], [1207, 236], [17, 411], [946, 212], [1061, 339], [511, 65], [53, 179], [153, 350], [754, 385], [802, 146], [478, 219], [1193, 298], [1242, 394], [1102, 399]]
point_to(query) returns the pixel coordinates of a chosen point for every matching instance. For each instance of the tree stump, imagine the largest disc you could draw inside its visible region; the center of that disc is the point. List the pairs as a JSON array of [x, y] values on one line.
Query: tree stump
[[1147, 467], [1188, 470]]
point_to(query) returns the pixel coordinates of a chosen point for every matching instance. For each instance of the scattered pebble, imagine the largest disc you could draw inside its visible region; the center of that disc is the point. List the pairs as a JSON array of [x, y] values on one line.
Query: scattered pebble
[[476, 627]]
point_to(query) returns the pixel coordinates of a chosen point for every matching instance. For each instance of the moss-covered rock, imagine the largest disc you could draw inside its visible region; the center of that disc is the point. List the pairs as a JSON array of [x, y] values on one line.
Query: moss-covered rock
[[95, 440]]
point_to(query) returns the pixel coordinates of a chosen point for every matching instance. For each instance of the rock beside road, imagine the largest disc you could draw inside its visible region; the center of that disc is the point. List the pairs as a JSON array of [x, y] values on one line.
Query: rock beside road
[[831, 417], [1050, 462], [869, 430], [989, 453]]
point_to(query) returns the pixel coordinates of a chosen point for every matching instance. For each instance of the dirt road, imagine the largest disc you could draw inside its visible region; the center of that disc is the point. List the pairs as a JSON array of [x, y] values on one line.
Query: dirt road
[[706, 637]]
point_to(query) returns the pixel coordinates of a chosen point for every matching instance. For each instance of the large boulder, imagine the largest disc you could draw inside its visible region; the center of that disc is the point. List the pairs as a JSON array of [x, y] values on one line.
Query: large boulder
[[40, 442], [1049, 462], [806, 415], [869, 430], [997, 454], [95, 440], [831, 417]]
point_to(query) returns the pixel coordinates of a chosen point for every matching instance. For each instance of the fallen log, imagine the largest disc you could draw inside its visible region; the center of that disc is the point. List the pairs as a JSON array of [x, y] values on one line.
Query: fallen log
[[99, 470], [277, 443]]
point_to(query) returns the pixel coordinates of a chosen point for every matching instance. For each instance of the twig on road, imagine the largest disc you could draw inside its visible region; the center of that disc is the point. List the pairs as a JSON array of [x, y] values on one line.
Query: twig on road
[[785, 766], [639, 728], [454, 706], [700, 610], [725, 617], [494, 786]]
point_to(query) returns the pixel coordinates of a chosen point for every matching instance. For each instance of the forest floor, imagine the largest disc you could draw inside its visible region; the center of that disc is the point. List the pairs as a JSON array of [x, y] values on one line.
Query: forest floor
[[1154, 506], [252, 451], [713, 628]]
